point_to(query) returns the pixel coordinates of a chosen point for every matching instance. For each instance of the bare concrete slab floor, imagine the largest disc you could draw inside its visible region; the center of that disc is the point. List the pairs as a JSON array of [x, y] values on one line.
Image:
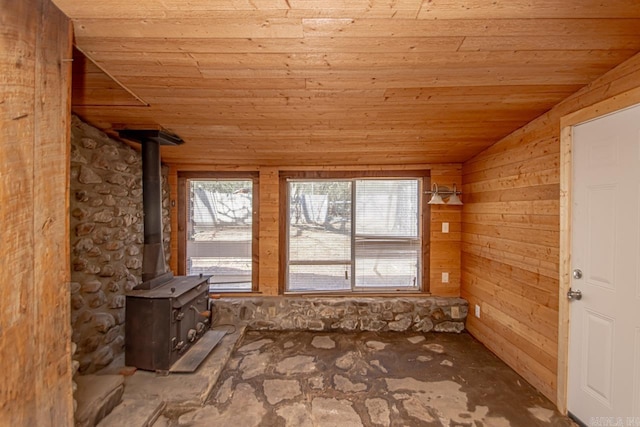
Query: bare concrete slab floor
[[300, 379]]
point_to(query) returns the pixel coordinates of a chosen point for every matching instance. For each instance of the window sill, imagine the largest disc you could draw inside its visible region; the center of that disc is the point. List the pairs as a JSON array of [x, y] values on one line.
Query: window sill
[[390, 294], [358, 294], [217, 295]]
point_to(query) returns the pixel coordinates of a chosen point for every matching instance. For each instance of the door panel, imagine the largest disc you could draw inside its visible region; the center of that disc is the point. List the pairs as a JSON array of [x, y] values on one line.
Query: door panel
[[597, 349], [604, 337], [601, 241]]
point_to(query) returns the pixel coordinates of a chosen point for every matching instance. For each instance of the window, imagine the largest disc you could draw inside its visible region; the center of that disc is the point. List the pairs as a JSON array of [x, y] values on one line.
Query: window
[[218, 236], [354, 234]]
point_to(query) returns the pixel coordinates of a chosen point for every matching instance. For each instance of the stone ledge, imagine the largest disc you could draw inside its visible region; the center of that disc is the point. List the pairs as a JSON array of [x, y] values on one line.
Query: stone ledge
[[97, 396], [184, 390], [420, 314], [134, 412]]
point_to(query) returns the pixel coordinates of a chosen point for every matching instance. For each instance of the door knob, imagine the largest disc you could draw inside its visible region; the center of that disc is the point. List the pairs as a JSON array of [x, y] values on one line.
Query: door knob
[[577, 273], [577, 294]]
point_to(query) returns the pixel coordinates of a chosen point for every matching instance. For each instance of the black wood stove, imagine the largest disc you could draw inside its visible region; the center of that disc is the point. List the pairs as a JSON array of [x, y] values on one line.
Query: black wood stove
[[164, 322], [165, 315]]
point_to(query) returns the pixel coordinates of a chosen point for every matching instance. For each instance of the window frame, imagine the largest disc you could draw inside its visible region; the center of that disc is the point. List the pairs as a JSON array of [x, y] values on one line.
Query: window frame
[[423, 224], [183, 215]]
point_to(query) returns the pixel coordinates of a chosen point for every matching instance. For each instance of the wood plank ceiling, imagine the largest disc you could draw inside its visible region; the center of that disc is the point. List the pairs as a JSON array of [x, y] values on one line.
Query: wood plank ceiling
[[341, 82]]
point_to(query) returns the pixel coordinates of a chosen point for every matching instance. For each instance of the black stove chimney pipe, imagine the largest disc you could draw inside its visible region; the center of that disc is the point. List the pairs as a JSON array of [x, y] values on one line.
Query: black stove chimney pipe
[[153, 259]]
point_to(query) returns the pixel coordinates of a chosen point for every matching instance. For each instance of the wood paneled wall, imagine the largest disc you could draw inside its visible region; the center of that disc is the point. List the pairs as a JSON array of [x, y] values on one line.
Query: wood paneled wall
[[35, 337], [510, 236], [444, 248], [269, 241]]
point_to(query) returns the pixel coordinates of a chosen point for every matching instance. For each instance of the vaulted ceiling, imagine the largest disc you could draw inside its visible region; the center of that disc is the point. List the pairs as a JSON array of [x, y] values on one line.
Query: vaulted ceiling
[[308, 82]]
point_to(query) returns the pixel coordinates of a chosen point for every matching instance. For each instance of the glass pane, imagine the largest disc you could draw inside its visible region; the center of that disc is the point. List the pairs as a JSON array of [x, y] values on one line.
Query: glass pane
[[387, 263], [220, 232], [320, 221], [387, 208], [388, 247], [319, 277]]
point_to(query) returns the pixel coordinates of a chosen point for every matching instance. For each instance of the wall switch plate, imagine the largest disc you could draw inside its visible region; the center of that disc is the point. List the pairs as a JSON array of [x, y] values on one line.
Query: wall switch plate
[[477, 311], [455, 312], [445, 277], [445, 227]]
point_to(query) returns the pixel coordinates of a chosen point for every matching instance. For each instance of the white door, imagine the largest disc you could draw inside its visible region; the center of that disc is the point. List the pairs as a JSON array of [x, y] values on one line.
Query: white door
[[604, 343]]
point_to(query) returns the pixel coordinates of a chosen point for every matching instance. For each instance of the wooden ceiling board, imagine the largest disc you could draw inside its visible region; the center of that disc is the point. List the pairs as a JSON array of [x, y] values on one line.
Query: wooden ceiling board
[[257, 45], [356, 61], [339, 82], [404, 9], [291, 28]]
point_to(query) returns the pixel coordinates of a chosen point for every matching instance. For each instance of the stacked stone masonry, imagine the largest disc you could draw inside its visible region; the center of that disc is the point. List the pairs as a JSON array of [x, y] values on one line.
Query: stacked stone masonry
[[420, 314], [106, 241]]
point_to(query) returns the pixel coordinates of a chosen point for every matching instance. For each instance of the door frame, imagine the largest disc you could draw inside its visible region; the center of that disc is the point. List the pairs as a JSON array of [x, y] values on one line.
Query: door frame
[[567, 122]]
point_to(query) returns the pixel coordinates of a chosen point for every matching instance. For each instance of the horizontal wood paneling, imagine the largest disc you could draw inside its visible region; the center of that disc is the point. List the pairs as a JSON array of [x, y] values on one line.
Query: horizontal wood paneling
[[445, 247], [415, 81], [510, 236], [352, 61], [520, 357], [244, 26], [35, 336], [256, 45], [440, 9], [449, 9]]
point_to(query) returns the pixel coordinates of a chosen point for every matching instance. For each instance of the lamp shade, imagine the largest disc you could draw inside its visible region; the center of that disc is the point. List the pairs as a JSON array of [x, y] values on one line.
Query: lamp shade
[[454, 199], [436, 199]]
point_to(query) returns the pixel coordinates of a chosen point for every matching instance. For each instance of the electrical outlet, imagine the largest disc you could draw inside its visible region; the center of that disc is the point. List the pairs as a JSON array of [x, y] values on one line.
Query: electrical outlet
[[445, 227], [445, 277], [477, 311]]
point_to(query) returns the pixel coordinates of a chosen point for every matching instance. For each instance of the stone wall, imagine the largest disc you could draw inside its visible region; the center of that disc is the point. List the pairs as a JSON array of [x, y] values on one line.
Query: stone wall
[[106, 241], [420, 314]]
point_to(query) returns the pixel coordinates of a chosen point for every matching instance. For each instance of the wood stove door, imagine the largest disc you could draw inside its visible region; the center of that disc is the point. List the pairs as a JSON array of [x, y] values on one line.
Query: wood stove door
[[192, 320]]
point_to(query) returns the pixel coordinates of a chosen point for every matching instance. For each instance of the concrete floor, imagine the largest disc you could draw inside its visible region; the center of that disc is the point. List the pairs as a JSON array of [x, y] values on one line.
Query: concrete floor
[[301, 379]]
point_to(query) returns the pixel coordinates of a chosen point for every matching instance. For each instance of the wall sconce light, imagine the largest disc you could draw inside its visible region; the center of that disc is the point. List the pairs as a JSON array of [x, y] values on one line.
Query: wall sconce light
[[444, 196]]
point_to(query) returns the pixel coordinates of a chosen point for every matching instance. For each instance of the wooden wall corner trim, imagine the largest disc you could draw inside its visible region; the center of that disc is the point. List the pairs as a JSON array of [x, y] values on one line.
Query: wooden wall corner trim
[[565, 265]]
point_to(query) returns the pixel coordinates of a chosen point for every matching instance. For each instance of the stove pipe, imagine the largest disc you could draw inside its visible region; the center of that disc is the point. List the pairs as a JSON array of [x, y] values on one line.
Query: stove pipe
[[153, 259], [153, 262]]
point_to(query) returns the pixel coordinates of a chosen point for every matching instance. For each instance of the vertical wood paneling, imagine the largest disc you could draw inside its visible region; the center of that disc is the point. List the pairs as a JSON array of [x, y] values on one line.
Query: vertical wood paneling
[[510, 239], [34, 256], [269, 239], [51, 219], [17, 68]]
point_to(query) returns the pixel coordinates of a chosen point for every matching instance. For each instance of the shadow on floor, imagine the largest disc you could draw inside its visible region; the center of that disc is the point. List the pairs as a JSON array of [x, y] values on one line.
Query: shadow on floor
[[310, 379]]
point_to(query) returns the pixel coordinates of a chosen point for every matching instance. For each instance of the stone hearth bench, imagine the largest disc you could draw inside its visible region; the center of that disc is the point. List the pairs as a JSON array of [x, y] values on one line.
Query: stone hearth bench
[[287, 313]]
